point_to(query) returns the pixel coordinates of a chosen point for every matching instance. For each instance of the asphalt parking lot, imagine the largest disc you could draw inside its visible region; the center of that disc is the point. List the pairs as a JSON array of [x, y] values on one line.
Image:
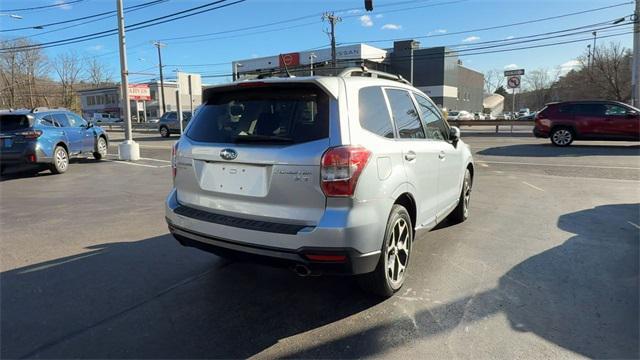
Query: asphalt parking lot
[[546, 267]]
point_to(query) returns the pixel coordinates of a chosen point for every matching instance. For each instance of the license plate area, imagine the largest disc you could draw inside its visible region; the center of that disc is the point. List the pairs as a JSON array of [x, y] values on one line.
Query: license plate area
[[7, 143], [236, 179]]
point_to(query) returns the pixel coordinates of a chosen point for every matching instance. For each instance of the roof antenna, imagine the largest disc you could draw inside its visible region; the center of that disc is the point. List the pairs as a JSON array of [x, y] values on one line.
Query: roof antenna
[[285, 66]]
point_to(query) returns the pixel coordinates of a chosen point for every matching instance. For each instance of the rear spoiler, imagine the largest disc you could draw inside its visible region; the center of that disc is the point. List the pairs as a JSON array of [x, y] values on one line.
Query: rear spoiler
[[208, 93]]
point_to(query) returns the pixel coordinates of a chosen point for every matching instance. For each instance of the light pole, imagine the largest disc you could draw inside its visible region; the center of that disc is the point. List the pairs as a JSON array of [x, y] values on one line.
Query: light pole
[[595, 35], [128, 149], [158, 44], [311, 57], [635, 77], [589, 56]]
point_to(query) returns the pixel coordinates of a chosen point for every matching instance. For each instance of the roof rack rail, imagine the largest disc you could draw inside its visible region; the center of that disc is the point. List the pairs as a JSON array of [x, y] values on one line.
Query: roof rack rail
[[45, 108], [364, 71]]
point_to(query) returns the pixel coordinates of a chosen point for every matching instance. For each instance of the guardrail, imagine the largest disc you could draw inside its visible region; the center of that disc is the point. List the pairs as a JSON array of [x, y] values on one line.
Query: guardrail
[[496, 123], [134, 126]]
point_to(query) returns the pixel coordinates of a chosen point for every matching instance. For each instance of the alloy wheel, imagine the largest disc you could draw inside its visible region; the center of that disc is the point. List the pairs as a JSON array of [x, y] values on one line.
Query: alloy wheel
[[62, 160], [399, 245], [562, 137], [102, 147], [467, 194]]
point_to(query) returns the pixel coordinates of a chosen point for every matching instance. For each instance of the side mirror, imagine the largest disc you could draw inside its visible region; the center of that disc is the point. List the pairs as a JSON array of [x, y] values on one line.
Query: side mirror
[[632, 114], [454, 134], [89, 124]]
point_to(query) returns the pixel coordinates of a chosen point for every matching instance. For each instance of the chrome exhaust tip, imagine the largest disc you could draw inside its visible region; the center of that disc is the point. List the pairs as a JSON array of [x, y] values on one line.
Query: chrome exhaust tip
[[301, 270]]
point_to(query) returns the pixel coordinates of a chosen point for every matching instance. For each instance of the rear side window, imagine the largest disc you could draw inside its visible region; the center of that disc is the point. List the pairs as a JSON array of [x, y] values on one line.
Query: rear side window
[[12, 122], [273, 114], [374, 115], [61, 119], [405, 114], [589, 109]]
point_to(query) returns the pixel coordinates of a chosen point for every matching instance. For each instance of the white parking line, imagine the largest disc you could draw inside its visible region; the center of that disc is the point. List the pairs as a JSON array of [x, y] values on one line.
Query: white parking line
[[484, 165], [152, 159], [558, 165], [533, 186]]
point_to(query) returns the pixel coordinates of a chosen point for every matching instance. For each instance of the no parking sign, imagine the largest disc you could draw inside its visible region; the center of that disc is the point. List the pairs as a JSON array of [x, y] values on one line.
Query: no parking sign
[[513, 82]]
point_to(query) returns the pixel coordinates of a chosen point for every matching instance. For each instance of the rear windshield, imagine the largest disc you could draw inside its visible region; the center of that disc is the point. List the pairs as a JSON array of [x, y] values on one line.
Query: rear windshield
[[13, 122], [454, 113], [274, 114]]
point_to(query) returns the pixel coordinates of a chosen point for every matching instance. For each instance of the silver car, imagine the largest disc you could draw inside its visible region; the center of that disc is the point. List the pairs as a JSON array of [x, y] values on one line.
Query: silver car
[[169, 124], [324, 175]]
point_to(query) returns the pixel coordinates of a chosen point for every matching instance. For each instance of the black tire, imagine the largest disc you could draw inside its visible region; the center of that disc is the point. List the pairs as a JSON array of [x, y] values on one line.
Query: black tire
[[562, 136], [461, 212], [380, 282], [101, 148], [60, 160], [164, 132]]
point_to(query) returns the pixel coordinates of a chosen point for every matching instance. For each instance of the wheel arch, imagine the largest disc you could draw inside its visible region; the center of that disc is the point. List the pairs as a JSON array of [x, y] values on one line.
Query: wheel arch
[[408, 202]]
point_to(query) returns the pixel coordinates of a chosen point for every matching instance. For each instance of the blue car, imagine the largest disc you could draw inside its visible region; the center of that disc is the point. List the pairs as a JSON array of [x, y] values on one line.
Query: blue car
[[48, 138]]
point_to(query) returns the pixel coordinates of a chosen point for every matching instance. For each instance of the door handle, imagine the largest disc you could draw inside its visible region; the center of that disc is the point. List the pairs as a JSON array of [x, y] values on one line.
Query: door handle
[[410, 156], [442, 155]]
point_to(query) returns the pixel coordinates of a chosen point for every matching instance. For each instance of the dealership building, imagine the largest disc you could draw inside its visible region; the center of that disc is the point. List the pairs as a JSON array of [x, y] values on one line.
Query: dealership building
[[437, 71]]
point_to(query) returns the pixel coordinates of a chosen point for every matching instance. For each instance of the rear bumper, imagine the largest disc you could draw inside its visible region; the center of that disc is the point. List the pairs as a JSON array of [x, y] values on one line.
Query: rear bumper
[[275, 246], [22, 157]]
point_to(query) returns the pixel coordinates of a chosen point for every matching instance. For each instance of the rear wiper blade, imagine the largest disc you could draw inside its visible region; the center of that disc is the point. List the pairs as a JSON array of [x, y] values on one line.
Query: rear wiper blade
[[261, 138]]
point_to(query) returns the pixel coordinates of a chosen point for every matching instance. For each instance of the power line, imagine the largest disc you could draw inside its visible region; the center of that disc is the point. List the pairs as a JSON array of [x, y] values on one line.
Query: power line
[[110, 13], [132, 27], [496, 27], [44, 6]]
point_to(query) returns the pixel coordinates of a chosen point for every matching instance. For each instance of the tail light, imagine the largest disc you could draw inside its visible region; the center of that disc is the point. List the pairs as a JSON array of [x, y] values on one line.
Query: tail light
[[30, 134], [174, 161], [341, 167]]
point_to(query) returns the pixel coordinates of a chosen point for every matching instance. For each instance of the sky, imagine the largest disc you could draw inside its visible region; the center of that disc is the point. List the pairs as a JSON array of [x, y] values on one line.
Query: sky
[[300, 28]]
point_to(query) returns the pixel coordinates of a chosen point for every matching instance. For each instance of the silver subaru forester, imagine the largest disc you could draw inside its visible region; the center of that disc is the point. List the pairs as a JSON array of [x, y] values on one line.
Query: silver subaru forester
[[324, 175]]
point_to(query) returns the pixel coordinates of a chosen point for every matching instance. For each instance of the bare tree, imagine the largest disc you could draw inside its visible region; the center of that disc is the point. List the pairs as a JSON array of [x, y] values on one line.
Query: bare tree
[[539, 83], [20, 70], [609, 71], [68, 66], [97, 73], [493, 80]]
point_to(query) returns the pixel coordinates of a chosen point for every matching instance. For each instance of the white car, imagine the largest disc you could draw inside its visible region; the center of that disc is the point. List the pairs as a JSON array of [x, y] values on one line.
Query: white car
[[323, 175], [459, 115]]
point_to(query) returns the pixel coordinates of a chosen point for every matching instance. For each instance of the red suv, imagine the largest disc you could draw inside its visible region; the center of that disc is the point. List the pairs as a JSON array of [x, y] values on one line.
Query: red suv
[[564, 122]]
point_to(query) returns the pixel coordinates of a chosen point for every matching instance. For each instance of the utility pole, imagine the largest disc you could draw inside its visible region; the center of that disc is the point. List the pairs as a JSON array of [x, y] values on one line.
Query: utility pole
[[333, 20], [236, 74], [128, 149], [158, 44], [593, 58], [589, 56], [635, 87]]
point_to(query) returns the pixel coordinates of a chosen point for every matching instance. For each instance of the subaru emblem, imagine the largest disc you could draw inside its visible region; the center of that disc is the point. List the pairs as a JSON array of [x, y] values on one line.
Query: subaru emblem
[[228, 154]]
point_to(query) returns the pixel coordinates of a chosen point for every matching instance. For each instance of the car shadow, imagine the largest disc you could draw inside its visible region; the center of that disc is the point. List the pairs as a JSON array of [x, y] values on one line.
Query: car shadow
[[156, 299], [549, 150], [581, 295]]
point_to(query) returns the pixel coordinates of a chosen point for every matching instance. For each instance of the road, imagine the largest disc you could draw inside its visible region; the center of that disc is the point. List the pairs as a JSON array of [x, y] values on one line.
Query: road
[[546, 267]]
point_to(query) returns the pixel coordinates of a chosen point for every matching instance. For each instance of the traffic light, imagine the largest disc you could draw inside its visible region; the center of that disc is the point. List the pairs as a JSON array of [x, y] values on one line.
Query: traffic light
[[368, 5]]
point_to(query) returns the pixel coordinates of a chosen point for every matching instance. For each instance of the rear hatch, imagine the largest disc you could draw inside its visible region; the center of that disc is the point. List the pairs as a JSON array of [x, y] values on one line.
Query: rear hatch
[[16, 131], [253, 151]]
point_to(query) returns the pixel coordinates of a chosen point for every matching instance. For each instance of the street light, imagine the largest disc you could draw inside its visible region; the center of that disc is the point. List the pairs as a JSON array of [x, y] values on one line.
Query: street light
[[13, 16], [311, 57]]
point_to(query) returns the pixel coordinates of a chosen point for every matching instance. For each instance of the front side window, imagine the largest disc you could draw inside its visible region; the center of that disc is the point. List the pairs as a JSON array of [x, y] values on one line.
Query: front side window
[[75, 120], [405, 114], [616, 110], [270, 114], [374, 115], [435, 125]]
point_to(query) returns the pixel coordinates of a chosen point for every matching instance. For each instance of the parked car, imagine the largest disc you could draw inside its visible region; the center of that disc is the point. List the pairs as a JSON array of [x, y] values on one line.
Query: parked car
[[105, 118], [169, 124], [459, 115], [153, 120], [565, 122], [529, 117], [479, 116], [277, 171], [523, 112], [504, 116], [48, 138]]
